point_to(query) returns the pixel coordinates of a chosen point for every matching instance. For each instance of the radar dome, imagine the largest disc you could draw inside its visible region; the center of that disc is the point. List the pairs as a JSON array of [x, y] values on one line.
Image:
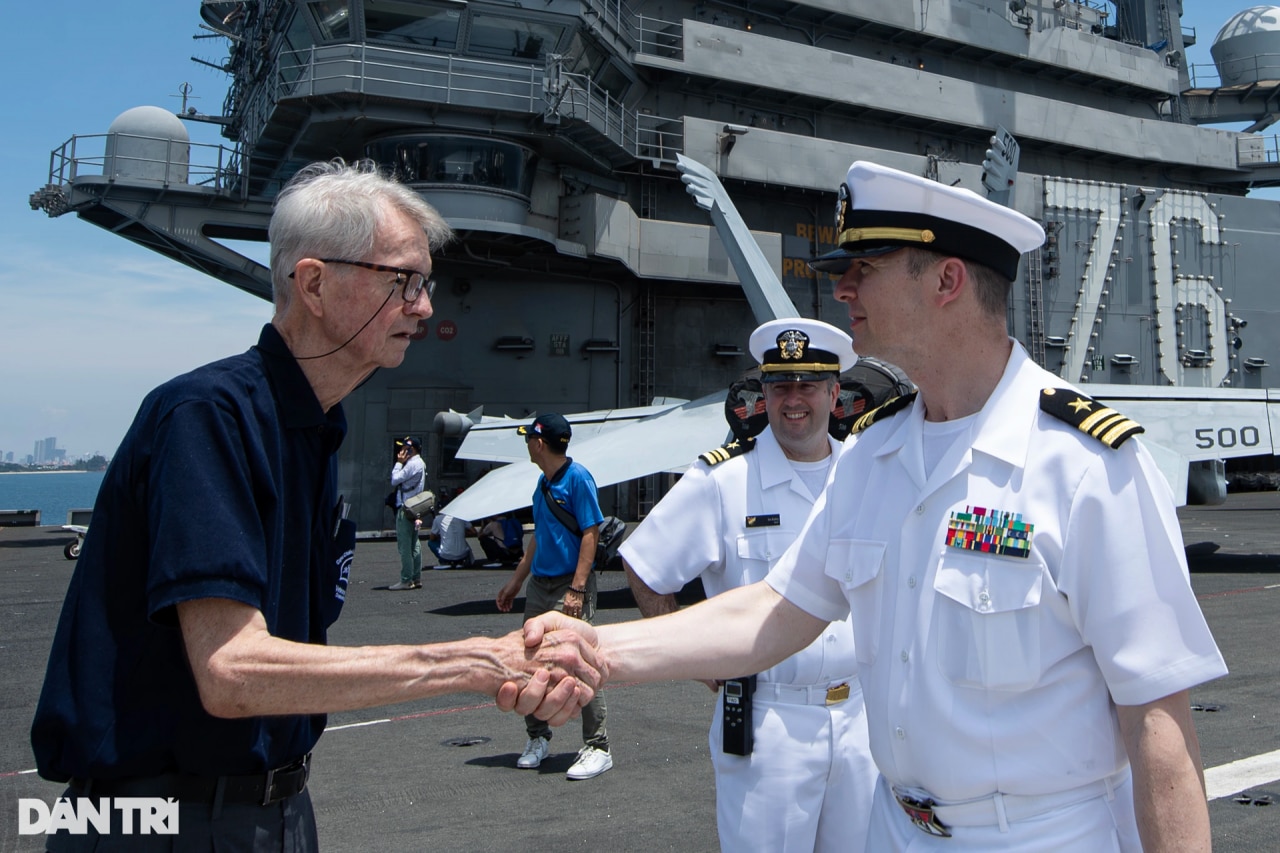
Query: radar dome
[[147, 143], [1247, 48]]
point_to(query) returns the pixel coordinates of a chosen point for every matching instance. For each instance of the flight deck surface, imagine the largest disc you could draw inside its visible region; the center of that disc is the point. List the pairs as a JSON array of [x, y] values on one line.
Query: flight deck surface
[[440, 773]]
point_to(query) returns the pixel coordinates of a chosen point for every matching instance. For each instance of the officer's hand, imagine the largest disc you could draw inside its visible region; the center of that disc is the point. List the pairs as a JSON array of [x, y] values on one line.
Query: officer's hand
[[556, 705], [563, 668]]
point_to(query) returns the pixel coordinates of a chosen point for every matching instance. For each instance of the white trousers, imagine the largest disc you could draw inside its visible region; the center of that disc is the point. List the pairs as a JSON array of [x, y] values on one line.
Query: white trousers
[[1099, 825], [807, 785]]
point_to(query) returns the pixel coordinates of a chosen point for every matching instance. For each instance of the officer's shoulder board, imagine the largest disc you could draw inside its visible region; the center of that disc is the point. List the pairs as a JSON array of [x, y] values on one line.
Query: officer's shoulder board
[[1089, 416], [891, 406], [726, 452]]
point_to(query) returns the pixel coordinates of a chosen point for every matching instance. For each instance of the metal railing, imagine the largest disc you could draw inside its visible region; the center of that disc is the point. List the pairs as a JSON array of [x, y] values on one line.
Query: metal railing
[[659, 37], [579, 98], [659, 138], [159, 159], [617, 16], [1235, 72], [369, 70]]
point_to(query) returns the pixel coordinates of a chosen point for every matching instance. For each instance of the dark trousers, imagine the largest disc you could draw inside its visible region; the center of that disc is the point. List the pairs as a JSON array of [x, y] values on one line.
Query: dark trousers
[[288, 825], [543, 595]]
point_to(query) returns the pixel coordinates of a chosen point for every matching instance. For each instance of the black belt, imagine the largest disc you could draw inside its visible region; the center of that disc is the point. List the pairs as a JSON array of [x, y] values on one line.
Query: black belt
[[258, 789]]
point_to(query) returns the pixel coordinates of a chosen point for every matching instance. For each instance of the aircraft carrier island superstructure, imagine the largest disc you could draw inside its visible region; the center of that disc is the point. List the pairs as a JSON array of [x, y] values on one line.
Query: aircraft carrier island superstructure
[[584, 278]]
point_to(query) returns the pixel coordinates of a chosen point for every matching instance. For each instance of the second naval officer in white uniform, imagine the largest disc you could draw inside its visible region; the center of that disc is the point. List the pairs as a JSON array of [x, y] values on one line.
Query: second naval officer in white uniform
[[807, 781]]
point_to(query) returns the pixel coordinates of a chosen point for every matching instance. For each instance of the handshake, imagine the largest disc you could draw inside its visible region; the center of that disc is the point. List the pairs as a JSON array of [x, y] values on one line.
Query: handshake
[[554, 669]]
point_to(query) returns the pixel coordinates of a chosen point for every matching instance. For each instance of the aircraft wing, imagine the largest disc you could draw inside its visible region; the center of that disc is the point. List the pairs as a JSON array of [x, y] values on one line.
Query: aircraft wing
[[1189, 425], [496, 440], [628, 443], [669, 440]]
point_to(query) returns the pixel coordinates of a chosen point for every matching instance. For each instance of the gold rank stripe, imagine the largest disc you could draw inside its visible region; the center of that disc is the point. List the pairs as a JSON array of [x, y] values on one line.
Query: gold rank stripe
[[726, 452], [1108, 425], [717, 455], [889, 407], [912, 235]]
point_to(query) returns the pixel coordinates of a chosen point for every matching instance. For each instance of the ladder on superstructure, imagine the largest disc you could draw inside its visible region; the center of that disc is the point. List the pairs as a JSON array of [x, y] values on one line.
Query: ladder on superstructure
[[646, 487], [1035, 307]]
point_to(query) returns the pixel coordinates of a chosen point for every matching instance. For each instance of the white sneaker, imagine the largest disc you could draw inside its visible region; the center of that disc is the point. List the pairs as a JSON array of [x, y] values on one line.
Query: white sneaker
[[535, 750], [591, 763]]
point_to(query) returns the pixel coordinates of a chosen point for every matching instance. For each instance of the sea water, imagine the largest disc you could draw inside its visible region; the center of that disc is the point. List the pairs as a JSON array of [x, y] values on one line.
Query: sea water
[[51, 492]]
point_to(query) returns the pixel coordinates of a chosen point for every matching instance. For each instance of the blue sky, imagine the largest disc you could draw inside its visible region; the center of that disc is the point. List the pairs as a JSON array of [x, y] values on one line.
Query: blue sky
[[89, 322]]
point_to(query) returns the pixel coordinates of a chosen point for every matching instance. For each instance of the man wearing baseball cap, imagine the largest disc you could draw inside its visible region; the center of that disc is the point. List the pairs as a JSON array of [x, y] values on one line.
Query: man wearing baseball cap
[[408, 478], [1026, 630], [558, 566], [806, 779]]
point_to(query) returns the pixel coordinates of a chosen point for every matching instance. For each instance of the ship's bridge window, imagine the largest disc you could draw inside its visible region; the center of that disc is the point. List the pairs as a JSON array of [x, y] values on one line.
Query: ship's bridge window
[[585, 58], [333, 19], [421, 23], [443, 159], [512, 38]]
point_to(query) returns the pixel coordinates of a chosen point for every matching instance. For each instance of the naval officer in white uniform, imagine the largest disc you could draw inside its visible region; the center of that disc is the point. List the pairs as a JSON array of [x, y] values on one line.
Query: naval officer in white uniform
[[1025, 626], [808, 780]]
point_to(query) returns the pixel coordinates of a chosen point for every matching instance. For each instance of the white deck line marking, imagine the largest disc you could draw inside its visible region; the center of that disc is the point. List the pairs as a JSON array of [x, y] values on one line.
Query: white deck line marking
[[1227, 779], [356, 725]]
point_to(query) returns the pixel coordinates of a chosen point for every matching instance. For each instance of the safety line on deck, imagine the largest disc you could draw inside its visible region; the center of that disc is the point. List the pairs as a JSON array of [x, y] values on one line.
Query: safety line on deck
[[1227, 779]]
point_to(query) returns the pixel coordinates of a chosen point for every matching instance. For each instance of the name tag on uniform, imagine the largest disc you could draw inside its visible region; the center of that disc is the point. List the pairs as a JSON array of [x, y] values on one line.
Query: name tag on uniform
[[774, 520], [991, 531]]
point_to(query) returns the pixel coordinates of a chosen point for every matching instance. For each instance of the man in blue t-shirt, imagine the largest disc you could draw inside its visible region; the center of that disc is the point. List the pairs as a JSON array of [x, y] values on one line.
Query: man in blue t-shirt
[[190, 660], [560, 558]]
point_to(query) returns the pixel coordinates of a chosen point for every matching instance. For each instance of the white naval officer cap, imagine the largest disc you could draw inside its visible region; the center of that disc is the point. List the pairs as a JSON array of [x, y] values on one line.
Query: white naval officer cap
[[795, 349], [880, 210]]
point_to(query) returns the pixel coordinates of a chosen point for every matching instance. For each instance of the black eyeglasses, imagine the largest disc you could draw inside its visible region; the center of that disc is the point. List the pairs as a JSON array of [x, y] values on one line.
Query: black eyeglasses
[[412, 280]]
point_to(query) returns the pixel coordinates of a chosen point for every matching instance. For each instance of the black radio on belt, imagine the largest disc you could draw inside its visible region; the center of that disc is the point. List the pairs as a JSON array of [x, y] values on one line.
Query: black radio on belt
[[736, 729]]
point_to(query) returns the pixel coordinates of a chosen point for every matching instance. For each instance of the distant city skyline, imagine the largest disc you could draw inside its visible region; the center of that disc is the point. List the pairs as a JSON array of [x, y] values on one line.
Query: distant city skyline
[[46, 451]]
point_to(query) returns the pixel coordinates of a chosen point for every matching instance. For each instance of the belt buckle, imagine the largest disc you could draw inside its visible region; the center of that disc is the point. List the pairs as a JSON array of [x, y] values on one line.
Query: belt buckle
[[302, 765], [921, 814], [837, 694]]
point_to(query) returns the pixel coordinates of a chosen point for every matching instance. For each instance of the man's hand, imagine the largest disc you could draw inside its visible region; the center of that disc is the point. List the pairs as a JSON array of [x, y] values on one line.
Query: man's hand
[[555, 638], [507, 595]]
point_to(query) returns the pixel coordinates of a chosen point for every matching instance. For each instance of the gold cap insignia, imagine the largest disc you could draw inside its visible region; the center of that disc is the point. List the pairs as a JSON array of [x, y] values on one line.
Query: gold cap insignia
[[791, 344]]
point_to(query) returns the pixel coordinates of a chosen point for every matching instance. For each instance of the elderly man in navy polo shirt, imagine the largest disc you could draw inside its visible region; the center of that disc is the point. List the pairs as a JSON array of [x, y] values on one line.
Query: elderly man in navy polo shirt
[[190, 658]]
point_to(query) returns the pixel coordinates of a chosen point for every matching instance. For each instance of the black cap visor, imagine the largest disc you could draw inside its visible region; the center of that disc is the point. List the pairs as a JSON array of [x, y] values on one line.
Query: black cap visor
[[839, 260], [798, 376]]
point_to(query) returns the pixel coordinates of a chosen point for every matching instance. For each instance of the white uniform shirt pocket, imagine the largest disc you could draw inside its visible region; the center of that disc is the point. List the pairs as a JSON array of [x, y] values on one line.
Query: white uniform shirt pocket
[[987, 620], [857, 564], [759, 549]]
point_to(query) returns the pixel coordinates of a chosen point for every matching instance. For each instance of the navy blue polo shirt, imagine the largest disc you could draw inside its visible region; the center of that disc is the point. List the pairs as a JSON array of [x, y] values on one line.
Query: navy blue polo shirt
[[224, 487]]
